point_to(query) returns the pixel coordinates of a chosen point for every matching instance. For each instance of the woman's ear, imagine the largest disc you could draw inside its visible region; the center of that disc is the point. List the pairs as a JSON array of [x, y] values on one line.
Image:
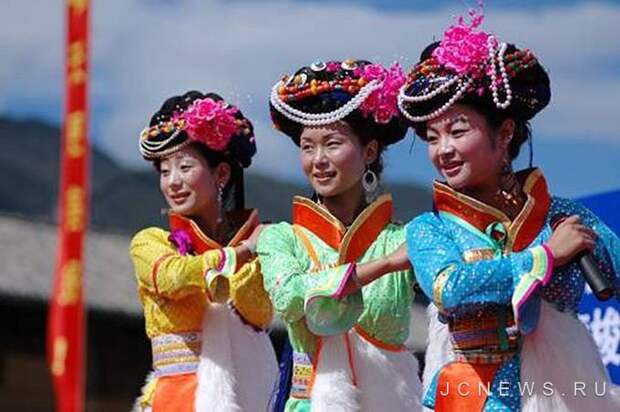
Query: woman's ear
[[222, 174], [371, 151], [506, 131]]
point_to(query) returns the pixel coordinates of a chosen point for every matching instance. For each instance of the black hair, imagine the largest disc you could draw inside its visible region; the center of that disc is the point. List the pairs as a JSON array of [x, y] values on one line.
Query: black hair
[[238, 154], [365, 127], [530, 94]]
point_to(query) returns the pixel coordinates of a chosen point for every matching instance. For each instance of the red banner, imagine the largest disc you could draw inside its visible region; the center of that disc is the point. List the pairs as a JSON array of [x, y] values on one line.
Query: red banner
[[66, 328]]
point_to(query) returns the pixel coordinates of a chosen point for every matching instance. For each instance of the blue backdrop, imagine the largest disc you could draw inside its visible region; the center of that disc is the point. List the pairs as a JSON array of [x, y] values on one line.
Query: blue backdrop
[[603, 318]]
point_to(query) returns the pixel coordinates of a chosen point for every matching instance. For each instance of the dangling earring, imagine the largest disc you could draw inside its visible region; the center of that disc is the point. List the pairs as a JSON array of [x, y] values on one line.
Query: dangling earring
[[370, 183], [220, 196]]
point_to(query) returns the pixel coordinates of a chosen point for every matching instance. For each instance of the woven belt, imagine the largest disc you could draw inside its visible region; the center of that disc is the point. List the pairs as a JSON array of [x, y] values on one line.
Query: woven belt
[[484, 357], [176, 353], [303, 373], [488, 328]]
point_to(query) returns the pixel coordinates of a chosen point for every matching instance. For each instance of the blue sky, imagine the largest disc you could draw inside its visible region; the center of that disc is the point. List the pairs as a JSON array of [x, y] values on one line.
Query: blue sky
[[144, 51]]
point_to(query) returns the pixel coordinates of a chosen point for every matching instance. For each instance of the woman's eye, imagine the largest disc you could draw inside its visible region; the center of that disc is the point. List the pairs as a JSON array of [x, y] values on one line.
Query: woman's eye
[[333, 143], [431, 139], [164, 172], [185, 168], [458, 132]]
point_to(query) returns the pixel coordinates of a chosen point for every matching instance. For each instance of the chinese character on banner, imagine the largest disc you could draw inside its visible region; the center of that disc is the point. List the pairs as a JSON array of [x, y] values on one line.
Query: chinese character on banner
[[65, 327], [603, 318]]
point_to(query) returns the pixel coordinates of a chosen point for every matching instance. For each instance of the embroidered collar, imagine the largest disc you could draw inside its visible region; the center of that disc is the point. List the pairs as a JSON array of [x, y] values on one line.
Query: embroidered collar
[[248, 219], [522, 230], [351, 243]]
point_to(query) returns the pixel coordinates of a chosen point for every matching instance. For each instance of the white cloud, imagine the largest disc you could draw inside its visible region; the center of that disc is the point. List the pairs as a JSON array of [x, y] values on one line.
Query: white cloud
[[144, 51]]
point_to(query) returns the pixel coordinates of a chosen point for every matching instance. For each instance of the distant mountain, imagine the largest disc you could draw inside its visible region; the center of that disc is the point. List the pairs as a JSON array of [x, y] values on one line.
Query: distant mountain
[[125, 200]]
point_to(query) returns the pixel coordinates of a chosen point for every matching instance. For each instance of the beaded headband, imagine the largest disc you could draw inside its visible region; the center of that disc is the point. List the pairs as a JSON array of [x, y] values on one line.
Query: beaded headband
[[207, 121], [467, 60], [371, 88]]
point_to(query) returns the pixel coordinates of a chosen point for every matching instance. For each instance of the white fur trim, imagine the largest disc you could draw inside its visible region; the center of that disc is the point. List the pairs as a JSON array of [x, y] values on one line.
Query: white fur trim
[[216, 380], [137, 405], [560, 351], [256, 366], [439, 347], [333, 390], [387, 381]]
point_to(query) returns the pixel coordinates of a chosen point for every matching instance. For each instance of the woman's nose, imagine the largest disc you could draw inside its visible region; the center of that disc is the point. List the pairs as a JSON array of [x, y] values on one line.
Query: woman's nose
[[174, 179], [445, 147], [319, 156]]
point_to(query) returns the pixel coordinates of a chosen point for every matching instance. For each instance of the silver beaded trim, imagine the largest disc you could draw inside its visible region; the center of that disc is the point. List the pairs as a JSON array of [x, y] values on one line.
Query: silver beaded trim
[[320, 119], [464, 83]]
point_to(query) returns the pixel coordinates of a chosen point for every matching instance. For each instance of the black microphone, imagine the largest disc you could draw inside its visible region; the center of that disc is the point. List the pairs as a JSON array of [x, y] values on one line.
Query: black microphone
[[597, 281]]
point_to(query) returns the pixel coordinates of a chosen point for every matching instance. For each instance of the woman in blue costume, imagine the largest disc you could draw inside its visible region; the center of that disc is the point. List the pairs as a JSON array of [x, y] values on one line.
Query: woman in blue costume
[[496, 256]]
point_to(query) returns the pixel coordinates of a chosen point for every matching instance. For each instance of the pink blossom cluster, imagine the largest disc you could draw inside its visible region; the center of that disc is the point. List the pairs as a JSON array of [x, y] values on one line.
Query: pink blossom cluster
[[382, 103], [463, 48], [210, 122]]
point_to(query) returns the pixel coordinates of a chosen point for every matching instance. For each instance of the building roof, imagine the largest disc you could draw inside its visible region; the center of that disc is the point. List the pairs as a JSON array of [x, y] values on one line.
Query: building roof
[[28, 253]]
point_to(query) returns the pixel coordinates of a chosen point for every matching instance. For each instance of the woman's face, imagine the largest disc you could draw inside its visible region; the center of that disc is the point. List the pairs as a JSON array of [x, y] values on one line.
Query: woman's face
[[465, 150], [189, 185], [333, 158]]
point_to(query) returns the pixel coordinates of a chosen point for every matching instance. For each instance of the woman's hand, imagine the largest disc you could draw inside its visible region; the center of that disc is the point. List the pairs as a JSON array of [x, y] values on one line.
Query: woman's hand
[[399, 259], [569, 239], [247, 249], [251, 241], [370, 271]]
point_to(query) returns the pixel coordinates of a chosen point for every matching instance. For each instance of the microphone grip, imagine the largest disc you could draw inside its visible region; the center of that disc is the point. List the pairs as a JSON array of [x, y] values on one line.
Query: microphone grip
[[595, 279]]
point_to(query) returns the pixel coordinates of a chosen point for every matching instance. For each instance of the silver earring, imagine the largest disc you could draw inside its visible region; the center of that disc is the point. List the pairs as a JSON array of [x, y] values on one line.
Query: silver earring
[[370, 182], [220, 195]]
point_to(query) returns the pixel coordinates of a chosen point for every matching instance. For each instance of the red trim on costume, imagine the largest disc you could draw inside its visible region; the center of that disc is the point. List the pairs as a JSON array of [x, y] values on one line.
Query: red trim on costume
[[538, 216], [202, 243], [306, 216], [315, 362], [364, 234], [158, 262], [480, 215], [347, 342], [360, 236], [446, 199], [378, 343]]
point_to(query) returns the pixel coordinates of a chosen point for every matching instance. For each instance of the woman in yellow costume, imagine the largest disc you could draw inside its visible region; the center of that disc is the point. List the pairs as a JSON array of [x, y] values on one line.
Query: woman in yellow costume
[[200, 282]]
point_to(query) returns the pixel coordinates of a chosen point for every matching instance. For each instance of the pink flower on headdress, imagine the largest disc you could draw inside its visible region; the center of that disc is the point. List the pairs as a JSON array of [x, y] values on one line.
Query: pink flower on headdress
[[463, 48], [382, 103], [373, 72], [333, 66], [210, 122]]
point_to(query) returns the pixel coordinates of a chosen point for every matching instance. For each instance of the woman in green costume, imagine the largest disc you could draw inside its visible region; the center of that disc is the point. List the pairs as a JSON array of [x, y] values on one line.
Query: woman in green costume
[[338, 275]]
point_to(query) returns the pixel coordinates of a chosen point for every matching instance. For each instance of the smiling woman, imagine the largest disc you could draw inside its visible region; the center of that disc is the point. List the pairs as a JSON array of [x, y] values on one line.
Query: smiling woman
[[498, 254], [200, 283], [338, 275]]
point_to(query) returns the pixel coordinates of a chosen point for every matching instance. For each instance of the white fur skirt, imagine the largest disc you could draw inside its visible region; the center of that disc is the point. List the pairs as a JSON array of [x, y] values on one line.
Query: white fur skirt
[[561, 369], [238, 369], [384, 380], [561, 362]]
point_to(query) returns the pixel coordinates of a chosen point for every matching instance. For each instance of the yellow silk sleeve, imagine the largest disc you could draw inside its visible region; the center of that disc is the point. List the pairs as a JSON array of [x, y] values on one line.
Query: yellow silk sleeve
[[161, 270], [248, 295]]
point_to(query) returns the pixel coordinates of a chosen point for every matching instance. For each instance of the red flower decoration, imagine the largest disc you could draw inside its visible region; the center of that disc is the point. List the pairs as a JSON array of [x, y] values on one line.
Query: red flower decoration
[[211, 122]]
